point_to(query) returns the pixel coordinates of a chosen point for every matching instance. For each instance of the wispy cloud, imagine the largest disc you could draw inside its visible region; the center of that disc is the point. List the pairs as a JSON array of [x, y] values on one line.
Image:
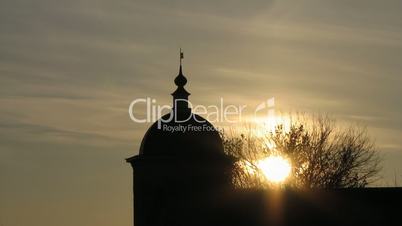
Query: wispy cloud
[[69, 70]]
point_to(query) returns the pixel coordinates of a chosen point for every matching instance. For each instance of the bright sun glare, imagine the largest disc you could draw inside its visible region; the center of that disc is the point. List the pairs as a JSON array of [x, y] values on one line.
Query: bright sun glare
[[275, 168]]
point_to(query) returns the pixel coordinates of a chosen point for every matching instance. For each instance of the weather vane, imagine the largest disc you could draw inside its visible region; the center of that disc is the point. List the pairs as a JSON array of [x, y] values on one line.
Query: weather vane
[[181, 56]]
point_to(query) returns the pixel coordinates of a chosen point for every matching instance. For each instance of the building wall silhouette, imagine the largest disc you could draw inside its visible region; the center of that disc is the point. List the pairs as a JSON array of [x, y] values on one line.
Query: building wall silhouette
[[178, 175]]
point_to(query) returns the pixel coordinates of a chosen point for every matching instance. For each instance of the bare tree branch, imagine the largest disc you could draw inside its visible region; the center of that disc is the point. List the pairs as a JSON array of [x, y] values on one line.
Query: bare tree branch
[[322, 154]]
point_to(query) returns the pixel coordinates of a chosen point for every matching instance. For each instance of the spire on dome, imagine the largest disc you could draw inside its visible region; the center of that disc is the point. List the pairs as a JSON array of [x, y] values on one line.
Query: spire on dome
[[180, 95], [180, 80]]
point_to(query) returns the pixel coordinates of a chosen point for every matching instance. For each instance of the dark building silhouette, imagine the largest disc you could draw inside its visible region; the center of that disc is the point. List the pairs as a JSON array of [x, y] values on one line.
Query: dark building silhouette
[[177, 173], [184, 179]]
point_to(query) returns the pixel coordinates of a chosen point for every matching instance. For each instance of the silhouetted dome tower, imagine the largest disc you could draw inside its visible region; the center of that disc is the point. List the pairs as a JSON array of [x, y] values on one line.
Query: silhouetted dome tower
[[180, 95], [172, 167], [191, 143]]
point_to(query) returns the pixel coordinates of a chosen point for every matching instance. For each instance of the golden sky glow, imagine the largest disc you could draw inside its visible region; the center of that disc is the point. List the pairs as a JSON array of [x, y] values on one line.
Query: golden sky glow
[[69, 70]]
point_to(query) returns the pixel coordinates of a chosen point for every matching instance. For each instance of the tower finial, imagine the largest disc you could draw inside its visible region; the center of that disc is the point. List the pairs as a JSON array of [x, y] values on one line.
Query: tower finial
[[181, 57], [180, 95]]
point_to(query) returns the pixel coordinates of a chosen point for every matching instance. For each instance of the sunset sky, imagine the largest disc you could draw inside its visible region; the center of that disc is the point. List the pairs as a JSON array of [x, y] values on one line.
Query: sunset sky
[[69, 70]]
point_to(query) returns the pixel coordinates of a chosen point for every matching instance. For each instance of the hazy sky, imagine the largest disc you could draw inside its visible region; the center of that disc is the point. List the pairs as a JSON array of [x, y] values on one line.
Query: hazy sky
[[69, 70]]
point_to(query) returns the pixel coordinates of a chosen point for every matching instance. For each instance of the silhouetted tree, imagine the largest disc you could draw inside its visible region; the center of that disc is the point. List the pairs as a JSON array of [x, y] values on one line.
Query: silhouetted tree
[[322, 154]]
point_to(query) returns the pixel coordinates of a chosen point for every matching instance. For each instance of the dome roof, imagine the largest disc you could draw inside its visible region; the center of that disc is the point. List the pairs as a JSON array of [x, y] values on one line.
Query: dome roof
[[193, 137], [180, 132]]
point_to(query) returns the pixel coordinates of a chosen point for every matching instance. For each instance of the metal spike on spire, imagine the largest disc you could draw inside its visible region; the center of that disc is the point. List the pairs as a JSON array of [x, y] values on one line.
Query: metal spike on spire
[[181, 56]]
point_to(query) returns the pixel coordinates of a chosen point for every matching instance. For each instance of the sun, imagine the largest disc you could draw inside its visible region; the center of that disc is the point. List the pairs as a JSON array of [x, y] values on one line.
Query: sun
[[275, 168]]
